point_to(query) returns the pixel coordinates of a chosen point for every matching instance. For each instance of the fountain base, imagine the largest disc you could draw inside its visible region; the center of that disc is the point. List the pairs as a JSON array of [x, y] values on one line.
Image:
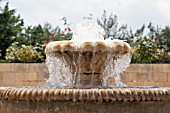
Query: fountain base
[[83, 107], [110, 100]]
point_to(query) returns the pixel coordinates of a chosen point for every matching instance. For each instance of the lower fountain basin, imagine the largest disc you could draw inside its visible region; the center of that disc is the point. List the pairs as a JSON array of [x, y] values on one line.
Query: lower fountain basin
[[109, 100]]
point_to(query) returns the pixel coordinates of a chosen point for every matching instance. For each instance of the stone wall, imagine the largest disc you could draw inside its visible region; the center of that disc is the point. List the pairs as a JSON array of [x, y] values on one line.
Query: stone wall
[[18, 74], [14, 74], [147, 75]]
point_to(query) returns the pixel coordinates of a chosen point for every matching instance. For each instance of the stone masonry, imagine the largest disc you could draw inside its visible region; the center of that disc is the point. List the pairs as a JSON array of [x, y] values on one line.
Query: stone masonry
[[33, 74]]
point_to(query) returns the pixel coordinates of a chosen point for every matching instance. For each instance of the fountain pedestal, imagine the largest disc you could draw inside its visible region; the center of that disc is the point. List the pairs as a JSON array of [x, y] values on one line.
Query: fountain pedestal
[[87, 64]]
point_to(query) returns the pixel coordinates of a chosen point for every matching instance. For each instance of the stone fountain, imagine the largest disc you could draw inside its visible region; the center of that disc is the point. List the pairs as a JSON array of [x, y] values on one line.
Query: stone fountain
[[87, 61], [78, 82]]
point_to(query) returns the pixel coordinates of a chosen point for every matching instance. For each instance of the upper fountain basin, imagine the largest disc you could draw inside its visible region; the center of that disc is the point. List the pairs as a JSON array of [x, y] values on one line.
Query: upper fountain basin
[[104, 45]]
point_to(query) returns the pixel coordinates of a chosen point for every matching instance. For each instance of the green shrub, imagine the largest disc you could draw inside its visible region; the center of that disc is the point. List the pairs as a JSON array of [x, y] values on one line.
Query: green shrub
[[25, 53], [146, 50], [11, 52]]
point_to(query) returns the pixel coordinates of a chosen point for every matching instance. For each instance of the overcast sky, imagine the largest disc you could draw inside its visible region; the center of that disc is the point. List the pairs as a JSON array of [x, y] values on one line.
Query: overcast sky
[[134, 13]]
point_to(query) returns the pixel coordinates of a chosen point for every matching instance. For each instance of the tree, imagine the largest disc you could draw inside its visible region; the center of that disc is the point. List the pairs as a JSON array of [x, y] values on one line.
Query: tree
[[53, 34], [34, 35], [164, 38], [110, 25], [10, 26], [150, 47]]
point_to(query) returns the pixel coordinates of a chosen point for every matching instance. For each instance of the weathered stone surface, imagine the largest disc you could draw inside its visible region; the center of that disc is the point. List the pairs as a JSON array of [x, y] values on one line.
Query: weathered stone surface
[[115, 100], [97, 95], [118, 46], [166, 68], [157, 68], [83, 107]]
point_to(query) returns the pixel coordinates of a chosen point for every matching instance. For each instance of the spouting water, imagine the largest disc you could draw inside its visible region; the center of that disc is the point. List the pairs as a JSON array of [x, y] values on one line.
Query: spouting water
[[75, 61], [87, 30]]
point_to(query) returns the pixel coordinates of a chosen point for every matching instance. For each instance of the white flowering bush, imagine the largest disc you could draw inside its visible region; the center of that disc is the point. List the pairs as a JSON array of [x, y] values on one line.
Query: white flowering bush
[[23, 53], [146, 50]]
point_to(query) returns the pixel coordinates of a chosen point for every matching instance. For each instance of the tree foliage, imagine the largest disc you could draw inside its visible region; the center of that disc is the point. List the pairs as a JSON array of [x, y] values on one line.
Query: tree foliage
[[150, 48], [11, 25], [113, 31], [27, 44]]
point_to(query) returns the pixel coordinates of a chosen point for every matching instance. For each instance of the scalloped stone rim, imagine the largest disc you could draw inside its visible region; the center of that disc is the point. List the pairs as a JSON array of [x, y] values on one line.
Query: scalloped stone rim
[[111, 45], [96, 95]]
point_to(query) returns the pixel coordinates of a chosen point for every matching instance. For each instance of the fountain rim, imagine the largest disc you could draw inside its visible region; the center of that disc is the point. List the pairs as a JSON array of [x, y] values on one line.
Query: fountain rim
[[87, 95], [95, 45]]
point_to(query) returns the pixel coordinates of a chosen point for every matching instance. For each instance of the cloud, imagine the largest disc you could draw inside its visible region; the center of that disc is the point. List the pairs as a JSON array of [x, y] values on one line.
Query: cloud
[[132, 12]]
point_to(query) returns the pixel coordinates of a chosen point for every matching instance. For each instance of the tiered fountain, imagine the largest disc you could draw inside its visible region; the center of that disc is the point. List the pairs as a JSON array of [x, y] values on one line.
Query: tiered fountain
[[78, 83]]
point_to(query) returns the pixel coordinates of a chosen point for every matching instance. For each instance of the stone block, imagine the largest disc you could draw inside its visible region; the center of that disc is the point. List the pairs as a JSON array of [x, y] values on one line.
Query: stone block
[[139, 84], [136, 77], [145, 68], [42, 67], [164, 77], [1, 79], [8, 79], [33, 84], [167, 84], [128, 77], [134, 83], [7, 67], [144, 77], [168, 77], [1, 76], [42, 76], [139, 68], [40, 83], [160, 77], [31, 76], [8, 76], [8, 83], [155, 76], [149, 83], [166, 68], [20, 67], [161, 84], [20, 76], [157, 67], [133, 68], [130, 84], [26, 83], [32, 67], [150, 77], [19, 83]]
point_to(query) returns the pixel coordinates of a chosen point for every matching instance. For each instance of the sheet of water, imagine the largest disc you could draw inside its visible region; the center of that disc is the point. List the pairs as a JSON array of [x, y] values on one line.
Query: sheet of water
[[59, 73]]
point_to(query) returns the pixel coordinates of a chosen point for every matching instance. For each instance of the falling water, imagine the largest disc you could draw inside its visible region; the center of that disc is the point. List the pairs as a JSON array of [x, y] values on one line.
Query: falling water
[[59, 73]]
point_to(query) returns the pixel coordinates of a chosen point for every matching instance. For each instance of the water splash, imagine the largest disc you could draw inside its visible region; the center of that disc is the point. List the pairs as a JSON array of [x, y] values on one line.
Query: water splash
[[87, 30], [120, 64], [59, 73]]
